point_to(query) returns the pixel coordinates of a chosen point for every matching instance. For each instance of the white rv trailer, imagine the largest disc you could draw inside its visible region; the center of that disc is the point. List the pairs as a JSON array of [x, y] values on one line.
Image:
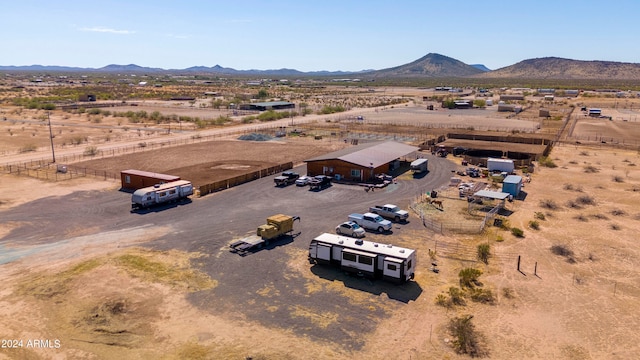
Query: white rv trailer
[[363, 257], [161, 193]]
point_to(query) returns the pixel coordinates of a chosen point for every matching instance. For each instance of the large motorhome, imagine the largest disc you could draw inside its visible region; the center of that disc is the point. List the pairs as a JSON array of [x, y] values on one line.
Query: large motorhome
[[364, 258], [160, 194]]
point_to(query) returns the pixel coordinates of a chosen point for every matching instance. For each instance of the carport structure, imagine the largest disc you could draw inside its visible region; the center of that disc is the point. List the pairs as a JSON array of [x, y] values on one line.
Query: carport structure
[[361, 162]]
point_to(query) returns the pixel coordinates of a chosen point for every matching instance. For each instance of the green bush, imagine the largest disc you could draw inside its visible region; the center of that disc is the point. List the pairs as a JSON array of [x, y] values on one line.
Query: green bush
[[466, 339], [484, 296], [517, 232], [484, 251], [535, 225], [547, 162], [469, 277]]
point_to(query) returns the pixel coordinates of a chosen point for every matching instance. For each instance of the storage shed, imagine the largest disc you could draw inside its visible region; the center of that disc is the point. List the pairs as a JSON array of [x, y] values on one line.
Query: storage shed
[[512, 184], [502, 165], [138, 179]]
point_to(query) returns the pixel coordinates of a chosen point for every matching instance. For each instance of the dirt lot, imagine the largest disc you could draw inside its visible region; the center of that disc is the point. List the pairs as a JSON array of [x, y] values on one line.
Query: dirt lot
[[207, 162]]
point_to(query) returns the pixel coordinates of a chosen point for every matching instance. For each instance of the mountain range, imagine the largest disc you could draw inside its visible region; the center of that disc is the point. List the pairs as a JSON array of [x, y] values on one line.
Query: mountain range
[[429, 66]]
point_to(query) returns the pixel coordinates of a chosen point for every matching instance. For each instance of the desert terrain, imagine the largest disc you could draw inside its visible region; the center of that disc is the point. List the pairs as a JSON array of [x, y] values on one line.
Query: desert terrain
[[112, 285]]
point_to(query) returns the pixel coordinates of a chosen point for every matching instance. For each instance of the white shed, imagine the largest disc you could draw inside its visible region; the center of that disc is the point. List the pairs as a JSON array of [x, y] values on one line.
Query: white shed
[[502, 165]]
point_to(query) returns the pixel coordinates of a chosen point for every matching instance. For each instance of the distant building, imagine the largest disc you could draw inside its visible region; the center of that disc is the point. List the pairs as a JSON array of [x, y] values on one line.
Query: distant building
[[509, 108], [271, 105], [595, 112], [87, 97], [512, 97]]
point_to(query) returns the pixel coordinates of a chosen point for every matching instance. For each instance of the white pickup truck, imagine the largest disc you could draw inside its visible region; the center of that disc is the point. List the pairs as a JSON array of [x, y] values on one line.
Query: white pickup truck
[[390, 211], [371, 221]]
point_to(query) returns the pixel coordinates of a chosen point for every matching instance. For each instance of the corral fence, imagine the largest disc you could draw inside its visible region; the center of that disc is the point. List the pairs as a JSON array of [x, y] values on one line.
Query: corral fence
[[466, 252], [443, 227], [241, 179], [45, 170]]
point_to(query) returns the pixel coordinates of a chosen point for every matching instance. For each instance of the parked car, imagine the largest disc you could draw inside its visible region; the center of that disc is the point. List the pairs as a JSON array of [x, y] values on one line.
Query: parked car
[[303, 180], [350, 228]]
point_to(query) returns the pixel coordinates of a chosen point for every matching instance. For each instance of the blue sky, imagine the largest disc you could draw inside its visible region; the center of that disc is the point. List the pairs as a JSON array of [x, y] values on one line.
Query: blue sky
[[308, 35]]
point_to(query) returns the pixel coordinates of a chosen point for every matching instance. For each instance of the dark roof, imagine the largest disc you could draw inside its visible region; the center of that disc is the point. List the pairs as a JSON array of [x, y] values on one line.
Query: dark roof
[[369, 154]]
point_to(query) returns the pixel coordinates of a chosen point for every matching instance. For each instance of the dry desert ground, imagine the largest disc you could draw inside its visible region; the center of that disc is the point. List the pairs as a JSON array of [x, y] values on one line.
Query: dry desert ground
[[576, 295]]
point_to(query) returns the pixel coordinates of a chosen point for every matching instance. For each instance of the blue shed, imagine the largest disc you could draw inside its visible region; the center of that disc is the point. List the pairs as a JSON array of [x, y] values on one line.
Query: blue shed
[[512, 184]]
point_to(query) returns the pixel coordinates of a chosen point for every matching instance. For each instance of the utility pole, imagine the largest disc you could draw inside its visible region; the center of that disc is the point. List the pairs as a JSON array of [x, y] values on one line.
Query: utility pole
[[51, 137]]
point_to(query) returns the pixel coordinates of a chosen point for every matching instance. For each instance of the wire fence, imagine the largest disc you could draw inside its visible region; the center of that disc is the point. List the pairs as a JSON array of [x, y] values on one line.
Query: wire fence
[[451, 226]]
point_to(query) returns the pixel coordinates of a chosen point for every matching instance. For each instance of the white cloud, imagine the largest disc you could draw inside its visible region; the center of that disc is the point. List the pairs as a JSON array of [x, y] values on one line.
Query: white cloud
[[107, 30], [173, 36]]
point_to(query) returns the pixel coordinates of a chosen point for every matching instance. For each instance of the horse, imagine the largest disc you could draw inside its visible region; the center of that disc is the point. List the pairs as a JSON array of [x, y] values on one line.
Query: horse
[[437, 203]]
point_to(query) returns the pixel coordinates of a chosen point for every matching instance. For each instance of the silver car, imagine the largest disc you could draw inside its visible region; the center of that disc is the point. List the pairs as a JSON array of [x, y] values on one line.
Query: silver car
[[303, 180], [350, 228]]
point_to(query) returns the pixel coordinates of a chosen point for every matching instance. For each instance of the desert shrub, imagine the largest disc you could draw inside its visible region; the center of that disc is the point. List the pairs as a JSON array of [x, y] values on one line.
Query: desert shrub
[[469, 277], [507, 293], [535, 225], [590, 169], [581, 218], [442, 300], [456, 296], [517, 232], [484, 252], [618, 179], [540, 216], [547, 162], [28, 148], [584, 153], [600, 216], [90, 151], [617, 212], [586, 200], [549, 204], [573, 204], [77, 140], [573, 188], [94, 111], [564, 251], [467, 339], [484, 296], [499, 238], [615, 227]]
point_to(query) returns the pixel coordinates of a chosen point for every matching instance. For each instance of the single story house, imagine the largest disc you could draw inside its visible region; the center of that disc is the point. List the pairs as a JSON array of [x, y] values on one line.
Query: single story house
[[360, 162]]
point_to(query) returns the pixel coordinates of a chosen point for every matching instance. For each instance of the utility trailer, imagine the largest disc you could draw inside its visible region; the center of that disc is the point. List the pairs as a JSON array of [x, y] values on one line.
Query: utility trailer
[[419, 166], [364, 258], [276, 226], [161, 194]]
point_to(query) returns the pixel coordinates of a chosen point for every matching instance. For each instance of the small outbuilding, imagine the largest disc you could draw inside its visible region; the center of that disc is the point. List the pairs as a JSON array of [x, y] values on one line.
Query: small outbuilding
[[269, 105], [138, 179], [501, 165], [512, 184]]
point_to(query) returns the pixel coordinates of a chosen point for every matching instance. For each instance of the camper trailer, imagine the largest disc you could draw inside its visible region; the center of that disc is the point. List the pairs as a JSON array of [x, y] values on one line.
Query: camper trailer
[[419, 166], [365, 258], [161, 194]]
